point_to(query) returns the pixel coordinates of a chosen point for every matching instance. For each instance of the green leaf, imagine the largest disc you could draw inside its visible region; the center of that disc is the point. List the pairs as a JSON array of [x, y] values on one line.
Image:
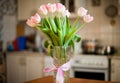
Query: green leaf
[[68, 25], [54, 38], [45, 24], [64, 28], [46, 43], [77, 38], [69, 36], [58, 22], [51, 35], [72, 44], [50, 51], [53, 25]]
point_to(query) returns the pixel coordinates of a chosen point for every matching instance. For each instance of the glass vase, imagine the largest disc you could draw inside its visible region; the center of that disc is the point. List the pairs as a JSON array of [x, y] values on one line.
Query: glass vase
[[61, 55]]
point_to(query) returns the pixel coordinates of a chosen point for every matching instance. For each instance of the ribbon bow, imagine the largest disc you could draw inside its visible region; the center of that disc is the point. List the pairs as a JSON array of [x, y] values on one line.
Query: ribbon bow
[[60, 71]]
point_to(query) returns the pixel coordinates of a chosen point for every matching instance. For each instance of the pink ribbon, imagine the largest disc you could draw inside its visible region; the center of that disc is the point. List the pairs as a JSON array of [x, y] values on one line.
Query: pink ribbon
[[60, 71]]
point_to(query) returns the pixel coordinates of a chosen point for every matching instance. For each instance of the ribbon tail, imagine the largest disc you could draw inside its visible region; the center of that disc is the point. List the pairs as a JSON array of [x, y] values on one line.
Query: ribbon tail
[[50, 69], [60, 76]]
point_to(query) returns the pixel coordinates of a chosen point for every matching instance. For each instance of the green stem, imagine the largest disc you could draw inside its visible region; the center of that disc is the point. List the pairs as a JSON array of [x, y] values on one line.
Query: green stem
[[81, 27], [65, 57], [76, 21]]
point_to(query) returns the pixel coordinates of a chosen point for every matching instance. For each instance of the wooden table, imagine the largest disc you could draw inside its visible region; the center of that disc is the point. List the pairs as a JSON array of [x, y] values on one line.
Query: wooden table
[[49, 79]]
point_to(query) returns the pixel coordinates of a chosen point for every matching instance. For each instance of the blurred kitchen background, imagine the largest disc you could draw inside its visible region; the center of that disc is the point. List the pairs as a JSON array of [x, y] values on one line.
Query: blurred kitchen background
[[21, 49]]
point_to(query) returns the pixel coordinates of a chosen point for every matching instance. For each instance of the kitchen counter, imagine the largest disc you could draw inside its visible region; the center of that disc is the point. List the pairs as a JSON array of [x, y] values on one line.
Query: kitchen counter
[[116, 56], [25, 53], [49, 79]]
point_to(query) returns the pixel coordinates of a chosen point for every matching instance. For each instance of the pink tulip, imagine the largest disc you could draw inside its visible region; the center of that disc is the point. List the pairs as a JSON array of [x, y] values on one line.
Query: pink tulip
[[34, 20], [88, 18], [43, 10], [82, 12], [60, 7], [51, 7], [66, 13]]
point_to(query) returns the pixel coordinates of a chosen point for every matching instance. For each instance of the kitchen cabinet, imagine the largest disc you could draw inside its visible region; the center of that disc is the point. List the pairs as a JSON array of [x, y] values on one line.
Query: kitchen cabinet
[[27, 8], [2, 65], [15, 68], [34, 67], [115, 69], [25, 66]]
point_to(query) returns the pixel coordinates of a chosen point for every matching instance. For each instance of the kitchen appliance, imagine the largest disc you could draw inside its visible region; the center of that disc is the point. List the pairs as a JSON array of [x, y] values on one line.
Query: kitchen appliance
[[105, 50], [88, 46], [90, 67], [93, 46]]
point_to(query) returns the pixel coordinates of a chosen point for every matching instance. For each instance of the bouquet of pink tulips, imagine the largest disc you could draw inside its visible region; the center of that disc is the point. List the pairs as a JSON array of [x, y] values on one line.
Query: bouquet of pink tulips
[[56, 24]]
